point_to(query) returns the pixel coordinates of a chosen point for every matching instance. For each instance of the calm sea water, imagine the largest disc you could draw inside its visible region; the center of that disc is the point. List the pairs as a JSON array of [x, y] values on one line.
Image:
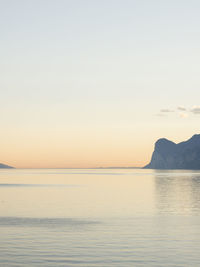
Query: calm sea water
[[99, 218]]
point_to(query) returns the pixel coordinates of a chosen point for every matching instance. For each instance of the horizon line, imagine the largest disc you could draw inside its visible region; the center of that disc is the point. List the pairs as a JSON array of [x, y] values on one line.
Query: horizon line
[[120, 167]]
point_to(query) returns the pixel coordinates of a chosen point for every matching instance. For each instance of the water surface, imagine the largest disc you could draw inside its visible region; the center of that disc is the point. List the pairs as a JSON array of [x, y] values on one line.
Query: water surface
[[113, 217]]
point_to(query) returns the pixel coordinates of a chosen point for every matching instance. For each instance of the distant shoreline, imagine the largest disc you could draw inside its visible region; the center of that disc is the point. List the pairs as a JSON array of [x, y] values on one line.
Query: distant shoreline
[[97, 168]]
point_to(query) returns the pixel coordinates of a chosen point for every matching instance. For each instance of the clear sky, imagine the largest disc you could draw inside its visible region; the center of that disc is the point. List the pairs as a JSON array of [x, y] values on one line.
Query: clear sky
[[95, 83]]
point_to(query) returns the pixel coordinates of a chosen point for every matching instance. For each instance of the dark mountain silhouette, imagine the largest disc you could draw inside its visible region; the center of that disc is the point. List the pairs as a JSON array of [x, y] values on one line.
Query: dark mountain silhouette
[[168, 155], [3, 166]]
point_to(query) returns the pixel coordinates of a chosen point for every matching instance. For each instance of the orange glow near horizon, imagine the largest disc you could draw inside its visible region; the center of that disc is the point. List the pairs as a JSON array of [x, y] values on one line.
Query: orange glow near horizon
[[86, 149], [53, 158], [90, 151]]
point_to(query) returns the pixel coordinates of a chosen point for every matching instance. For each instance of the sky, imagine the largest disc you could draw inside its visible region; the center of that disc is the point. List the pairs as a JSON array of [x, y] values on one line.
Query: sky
[[95, 83]]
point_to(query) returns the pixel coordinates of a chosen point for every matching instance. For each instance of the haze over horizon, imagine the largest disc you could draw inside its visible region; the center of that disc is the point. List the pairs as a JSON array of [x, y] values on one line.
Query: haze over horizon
[[96, 83]]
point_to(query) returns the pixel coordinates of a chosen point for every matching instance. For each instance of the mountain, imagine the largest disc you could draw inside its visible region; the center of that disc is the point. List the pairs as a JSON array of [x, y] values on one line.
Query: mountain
[[169, 155], [3, 166]]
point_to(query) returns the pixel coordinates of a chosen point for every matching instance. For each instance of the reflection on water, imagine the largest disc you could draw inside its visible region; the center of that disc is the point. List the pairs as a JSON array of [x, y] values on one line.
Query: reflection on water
[[177, 192], [99, 218]]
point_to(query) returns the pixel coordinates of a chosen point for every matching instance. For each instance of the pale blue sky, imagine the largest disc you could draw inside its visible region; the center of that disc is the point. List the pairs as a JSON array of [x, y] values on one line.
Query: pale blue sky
[[80, 75]]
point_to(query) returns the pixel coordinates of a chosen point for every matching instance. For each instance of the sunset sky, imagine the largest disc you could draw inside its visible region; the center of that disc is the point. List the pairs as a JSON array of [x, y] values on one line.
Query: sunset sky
[[96, 83]]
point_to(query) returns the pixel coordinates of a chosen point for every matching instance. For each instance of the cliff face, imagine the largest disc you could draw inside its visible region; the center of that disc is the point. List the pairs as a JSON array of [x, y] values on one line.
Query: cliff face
[[168, 155]]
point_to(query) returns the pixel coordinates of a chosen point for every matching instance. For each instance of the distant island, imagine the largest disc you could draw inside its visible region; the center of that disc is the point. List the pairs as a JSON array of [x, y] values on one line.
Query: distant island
[[3, 166], [169, 155]]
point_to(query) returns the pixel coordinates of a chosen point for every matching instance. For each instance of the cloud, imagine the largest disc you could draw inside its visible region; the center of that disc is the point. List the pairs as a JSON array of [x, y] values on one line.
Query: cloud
[[195, 110], [181, 108], [183, 115], [166, 110], [181, 111], [161, 115]]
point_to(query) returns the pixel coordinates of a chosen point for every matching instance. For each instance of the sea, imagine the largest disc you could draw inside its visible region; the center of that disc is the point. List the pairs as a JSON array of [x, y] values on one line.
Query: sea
[[99, 217]]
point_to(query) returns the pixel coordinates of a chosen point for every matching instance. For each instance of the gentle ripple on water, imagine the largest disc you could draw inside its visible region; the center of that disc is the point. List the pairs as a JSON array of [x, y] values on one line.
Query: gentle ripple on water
[[104, 218]]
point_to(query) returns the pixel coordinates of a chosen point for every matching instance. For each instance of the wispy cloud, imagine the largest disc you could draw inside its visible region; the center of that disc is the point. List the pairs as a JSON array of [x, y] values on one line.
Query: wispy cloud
[[180, 111], [195, 110], [183, 115], [160, 115], [166, 110], [181, 108]]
